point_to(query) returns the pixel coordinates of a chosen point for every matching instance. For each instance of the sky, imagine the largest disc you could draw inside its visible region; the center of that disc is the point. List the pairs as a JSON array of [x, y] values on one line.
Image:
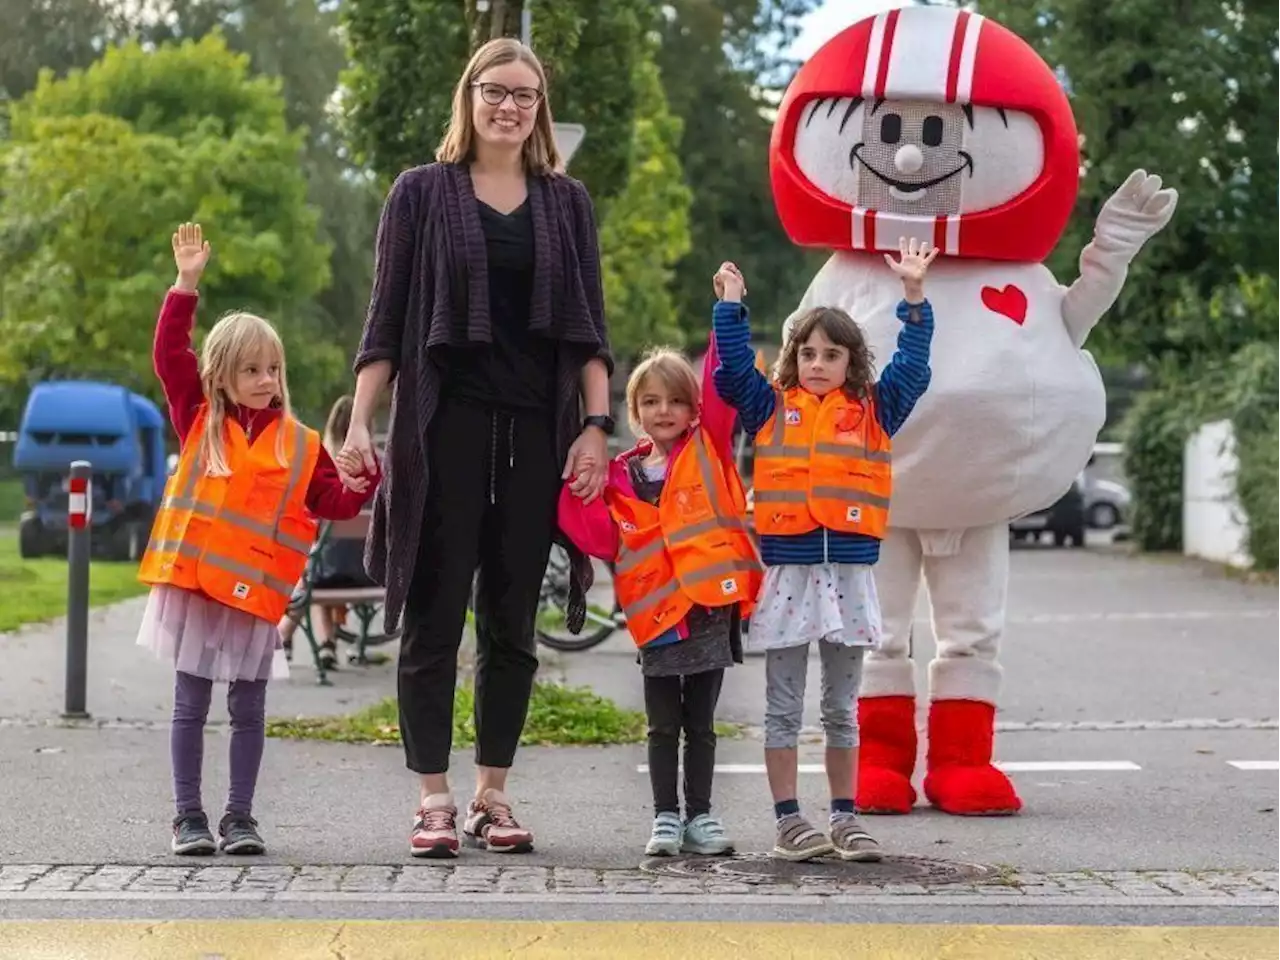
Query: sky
[[832, 17]]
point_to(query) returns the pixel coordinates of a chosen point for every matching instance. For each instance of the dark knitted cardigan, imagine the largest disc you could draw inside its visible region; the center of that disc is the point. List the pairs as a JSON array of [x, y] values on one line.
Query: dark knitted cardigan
[[431, 288]]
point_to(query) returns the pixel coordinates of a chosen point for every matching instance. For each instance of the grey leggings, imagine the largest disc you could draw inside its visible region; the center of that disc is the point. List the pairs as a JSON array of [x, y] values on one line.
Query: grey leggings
[[785, 672]]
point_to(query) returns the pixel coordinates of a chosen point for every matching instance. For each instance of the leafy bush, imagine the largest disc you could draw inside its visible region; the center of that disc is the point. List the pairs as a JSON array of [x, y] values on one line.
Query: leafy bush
[[1242, 389]]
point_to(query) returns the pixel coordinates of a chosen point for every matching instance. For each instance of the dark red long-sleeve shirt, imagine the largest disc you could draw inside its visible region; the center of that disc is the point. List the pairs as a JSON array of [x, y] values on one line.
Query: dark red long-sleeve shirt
[[179, 373]]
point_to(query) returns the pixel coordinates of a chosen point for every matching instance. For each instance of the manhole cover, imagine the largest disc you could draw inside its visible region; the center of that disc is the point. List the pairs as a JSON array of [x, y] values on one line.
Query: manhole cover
[[760, 868]]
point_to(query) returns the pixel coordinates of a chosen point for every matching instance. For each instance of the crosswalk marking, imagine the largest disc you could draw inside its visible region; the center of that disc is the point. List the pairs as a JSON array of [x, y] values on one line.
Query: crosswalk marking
[[1009, 766]]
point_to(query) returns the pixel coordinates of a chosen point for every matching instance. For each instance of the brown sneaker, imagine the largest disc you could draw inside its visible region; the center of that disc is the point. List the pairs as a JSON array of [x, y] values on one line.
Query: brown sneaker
[[851, 840], [490, 825], [435, 831]]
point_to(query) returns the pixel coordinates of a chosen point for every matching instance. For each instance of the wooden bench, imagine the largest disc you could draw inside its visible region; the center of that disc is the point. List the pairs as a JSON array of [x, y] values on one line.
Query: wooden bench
[[364, 602]]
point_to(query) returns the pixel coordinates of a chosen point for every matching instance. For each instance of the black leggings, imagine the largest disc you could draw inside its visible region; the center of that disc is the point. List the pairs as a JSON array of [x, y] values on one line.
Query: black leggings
[[490, 504], [689, 704]]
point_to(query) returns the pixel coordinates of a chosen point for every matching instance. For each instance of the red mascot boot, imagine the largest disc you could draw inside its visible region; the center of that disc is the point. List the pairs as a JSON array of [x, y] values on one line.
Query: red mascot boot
[[886, 754], [960, 778]]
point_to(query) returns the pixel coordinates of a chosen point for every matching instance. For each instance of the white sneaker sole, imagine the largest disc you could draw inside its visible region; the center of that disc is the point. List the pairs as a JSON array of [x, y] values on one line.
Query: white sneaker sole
[[861, 856], [708, 849], [193, 848], [662, 848], [797, 856]]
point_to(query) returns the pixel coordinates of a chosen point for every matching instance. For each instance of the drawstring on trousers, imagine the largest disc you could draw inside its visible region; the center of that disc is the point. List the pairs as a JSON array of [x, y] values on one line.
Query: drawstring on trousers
[[493, 452]]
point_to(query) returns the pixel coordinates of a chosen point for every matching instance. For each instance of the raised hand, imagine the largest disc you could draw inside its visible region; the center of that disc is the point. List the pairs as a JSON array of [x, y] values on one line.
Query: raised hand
[[190, 254], [728, 283], [914, 257], [1135, 213]]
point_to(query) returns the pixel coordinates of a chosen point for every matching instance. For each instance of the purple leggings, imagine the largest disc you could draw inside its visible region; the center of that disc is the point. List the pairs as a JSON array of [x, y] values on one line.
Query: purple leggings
[[247, 703]]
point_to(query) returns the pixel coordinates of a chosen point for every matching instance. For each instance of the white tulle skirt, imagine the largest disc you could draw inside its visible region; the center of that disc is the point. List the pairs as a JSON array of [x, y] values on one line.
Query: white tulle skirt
[[208, 639]]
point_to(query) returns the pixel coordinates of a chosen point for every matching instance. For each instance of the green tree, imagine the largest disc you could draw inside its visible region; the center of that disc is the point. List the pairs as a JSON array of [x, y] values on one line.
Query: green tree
[[1187, 90], [397, 99], [99, 168], [55, 35], [647, 228], [720, 65]]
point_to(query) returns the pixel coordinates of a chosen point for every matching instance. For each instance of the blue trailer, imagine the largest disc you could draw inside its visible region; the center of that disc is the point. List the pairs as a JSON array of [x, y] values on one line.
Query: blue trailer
[[122, 434]]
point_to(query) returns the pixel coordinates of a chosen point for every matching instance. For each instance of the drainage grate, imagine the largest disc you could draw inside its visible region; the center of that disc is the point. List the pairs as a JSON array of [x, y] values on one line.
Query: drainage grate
[[760, 868]]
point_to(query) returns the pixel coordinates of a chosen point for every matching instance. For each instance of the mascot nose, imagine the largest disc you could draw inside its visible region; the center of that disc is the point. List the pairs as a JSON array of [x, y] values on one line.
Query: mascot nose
[[908, 159]]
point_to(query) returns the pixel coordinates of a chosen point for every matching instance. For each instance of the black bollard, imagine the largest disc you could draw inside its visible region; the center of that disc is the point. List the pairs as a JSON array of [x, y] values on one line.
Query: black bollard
[[79, 511]]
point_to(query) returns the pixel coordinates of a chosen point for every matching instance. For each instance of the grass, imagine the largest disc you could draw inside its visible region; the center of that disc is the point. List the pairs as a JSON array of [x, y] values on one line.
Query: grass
[[35, 591], [12, 500], [558, 716]]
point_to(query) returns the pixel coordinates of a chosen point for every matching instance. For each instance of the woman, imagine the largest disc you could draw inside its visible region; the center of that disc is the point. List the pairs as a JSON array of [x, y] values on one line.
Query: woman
[[487, 312]]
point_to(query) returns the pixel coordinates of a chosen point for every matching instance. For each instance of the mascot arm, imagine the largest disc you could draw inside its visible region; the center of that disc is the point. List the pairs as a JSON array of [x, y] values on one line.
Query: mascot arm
[[1132, 215]]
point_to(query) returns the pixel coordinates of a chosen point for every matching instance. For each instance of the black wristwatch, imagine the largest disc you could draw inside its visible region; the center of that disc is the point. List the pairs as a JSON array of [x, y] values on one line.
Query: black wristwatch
[[603, 421]]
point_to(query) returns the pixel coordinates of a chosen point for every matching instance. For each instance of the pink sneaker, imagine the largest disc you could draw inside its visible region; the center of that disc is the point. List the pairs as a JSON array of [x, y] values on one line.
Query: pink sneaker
[[435, 831], [489, 824]]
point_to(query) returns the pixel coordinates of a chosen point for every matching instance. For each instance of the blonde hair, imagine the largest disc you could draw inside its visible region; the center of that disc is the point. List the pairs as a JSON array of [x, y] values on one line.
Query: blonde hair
[[234, 338], [339, 422], [458, 146], [669, 368]]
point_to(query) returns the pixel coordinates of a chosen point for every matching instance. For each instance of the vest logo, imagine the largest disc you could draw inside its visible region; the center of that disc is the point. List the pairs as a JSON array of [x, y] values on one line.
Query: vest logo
[[241, 591], [729, 586], [854, 515], [792, 417], [627, 526]]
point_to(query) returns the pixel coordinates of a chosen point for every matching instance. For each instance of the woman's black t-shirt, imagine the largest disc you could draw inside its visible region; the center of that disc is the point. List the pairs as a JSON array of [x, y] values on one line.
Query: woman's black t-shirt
[[516, 370]]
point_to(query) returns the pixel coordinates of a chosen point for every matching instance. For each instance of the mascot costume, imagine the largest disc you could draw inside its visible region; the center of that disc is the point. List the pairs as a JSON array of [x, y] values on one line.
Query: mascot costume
[[941, 125]]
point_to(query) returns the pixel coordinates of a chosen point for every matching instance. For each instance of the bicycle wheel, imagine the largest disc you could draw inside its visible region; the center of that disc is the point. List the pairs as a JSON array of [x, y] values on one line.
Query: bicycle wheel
[[551, 628]]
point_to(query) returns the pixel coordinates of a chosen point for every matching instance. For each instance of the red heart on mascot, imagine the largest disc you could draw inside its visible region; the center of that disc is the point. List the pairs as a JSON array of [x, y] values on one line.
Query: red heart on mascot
[[1008, 301]]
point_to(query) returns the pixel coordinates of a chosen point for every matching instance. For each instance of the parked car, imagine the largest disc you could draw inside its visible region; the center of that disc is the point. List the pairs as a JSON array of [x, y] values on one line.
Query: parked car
[[122, 434], [1065, 520], [1106, 495]]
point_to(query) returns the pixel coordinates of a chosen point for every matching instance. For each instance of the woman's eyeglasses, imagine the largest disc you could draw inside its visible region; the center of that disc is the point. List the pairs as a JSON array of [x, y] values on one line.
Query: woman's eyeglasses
[[523, 97]]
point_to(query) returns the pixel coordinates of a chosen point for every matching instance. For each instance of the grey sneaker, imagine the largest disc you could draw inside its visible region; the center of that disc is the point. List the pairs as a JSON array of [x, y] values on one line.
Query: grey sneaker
[[798, 840], [667, 836], [705, 835], [239, 835], [851, 840], [191, 836]]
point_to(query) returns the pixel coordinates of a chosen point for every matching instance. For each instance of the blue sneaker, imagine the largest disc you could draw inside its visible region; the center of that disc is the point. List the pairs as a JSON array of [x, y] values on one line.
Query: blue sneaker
[[705, 835], [668, 834], [191, 836]]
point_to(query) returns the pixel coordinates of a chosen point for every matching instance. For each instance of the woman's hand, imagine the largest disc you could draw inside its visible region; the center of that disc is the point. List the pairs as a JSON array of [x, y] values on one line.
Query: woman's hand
[[587, 466], [190, 254], [356, 461]]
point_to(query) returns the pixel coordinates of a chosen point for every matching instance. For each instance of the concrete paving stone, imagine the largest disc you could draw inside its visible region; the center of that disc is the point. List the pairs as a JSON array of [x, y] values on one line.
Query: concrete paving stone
[[369, 879], [317, 879], [1266, 879], [575, 879], [1181, 883], [62, 878], [913, 889], [214, 880], [420, 878], [16, 877], [161, 879], [111, 878], [267, 879]]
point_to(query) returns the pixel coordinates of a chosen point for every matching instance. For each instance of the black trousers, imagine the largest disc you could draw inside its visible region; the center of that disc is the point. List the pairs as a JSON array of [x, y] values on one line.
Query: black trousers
[[689, 704], [490, 505]]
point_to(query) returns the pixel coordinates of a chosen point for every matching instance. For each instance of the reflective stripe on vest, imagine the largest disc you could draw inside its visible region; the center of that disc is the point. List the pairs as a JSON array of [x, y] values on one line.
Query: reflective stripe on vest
[[801, 474], [237, 550], [653, 590]]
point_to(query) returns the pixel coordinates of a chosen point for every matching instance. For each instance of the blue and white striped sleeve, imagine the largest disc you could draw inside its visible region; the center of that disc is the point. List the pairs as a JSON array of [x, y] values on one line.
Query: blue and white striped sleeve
[[736, 378], [906, 378]]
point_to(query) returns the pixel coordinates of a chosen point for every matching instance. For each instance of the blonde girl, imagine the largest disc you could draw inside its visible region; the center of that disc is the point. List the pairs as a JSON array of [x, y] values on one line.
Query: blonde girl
[[236, 520]]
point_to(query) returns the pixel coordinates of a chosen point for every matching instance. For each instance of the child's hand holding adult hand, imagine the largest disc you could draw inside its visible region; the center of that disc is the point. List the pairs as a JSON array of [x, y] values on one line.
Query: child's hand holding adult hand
[[729, 284], [190, 252]]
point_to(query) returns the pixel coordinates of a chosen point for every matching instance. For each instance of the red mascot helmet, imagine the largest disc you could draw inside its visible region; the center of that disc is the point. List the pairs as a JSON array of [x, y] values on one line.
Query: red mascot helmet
[[935, 55]]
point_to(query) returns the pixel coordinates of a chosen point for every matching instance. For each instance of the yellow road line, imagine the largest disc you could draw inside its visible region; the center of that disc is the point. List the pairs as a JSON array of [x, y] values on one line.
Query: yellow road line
[[462, 940]]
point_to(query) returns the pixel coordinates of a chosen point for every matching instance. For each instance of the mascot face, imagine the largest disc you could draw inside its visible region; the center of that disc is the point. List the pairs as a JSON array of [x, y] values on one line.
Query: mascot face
[[931, 123]]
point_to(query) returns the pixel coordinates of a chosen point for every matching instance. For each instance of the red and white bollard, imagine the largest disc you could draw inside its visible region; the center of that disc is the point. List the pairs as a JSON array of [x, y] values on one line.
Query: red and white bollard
[[79, 515]]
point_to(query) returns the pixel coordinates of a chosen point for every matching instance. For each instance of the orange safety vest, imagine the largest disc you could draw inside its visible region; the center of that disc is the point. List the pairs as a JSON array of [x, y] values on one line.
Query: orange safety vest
[[822, 461], [691, 548], [242, 540]]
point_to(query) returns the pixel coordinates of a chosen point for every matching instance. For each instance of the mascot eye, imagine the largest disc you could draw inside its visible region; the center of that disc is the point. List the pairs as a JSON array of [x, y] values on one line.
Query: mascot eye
[[890, 128], [931, 131]]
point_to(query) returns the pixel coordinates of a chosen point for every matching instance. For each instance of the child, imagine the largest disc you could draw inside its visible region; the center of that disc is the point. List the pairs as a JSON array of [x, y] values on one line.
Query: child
[[822, 486], [336, 563], [230, 540], [673, 519]]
